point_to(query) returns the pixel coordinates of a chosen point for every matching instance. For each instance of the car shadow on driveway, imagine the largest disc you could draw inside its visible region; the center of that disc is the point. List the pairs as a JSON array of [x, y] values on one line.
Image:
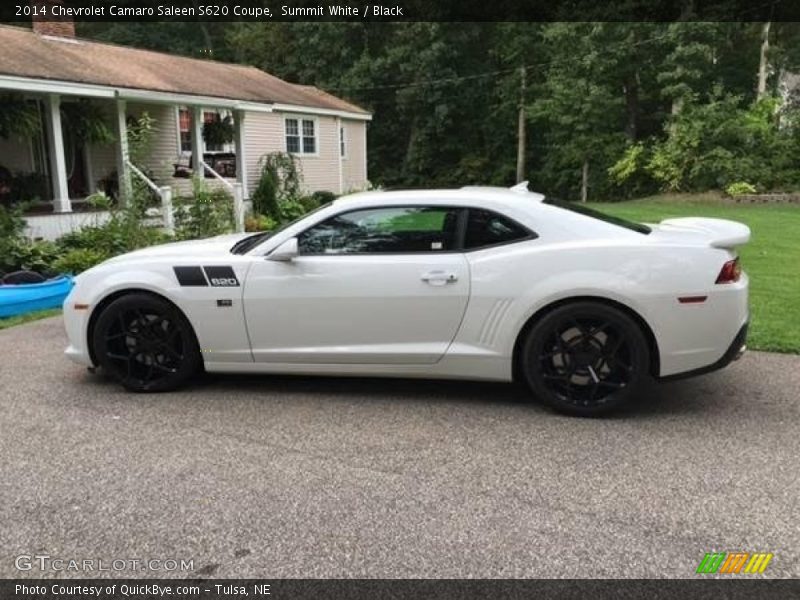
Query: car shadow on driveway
[[660, 399]]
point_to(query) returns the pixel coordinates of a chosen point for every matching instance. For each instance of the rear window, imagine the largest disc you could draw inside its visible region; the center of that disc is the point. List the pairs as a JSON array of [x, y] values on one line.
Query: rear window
[[486, 228], [596, 214]]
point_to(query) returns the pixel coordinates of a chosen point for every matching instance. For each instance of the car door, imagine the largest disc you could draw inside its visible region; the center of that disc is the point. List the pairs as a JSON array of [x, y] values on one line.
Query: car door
[[379, 285]]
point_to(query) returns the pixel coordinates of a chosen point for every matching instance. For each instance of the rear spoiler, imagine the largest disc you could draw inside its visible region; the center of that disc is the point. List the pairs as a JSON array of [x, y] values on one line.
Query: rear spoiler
[[720, 233]]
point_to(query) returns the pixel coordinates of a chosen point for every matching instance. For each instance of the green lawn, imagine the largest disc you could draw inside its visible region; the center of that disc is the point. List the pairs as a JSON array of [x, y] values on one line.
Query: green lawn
[[34, 316], [771, 259]]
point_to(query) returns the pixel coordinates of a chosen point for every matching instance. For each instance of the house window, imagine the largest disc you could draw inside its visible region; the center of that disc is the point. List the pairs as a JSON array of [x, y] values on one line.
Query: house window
[[185, 128], [342, 143], [292, 136], [301, 136], [185, 131]]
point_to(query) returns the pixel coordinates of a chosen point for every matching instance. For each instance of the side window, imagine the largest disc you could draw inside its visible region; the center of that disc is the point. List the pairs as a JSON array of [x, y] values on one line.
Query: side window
[[487, 228], [406, 229]]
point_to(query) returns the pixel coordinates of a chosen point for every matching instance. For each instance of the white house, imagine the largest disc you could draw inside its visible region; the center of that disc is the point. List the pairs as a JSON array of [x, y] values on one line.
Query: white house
[[50, 67]]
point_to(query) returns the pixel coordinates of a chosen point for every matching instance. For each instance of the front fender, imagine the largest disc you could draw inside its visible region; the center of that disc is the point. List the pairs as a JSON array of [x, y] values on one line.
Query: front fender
[[215, 313]]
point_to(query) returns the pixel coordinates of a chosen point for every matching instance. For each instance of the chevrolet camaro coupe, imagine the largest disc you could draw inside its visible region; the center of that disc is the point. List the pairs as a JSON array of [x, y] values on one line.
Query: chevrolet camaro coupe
[[476, 283]]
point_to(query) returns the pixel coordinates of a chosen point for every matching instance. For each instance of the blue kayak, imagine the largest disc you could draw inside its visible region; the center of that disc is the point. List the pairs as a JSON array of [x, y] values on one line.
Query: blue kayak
[[29, 297]]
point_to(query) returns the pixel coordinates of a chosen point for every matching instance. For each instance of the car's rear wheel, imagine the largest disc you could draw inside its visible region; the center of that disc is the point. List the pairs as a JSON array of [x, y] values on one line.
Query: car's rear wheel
[[585, 358], [145, 343]]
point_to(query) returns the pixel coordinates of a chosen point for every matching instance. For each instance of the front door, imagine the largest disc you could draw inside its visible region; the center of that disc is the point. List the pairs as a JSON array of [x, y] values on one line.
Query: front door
[[379, 286]]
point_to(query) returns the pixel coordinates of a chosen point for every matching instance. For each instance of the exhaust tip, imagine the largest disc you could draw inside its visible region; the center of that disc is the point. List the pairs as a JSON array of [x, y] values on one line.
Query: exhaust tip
[[740, 352]]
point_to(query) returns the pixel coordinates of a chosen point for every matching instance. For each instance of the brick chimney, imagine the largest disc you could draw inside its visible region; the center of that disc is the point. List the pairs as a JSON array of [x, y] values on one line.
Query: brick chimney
[[44, 23]]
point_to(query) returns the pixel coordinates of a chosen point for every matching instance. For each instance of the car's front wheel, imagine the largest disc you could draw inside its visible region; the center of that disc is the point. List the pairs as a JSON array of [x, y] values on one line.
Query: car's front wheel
[[145, 343], [585, 358]]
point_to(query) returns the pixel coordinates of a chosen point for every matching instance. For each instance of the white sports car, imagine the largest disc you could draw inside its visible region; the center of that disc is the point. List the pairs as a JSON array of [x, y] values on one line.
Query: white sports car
[[477, 283]]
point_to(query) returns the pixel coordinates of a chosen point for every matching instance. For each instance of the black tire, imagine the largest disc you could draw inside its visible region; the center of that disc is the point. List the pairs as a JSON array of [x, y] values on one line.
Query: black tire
[[586, 359], [146, 344]]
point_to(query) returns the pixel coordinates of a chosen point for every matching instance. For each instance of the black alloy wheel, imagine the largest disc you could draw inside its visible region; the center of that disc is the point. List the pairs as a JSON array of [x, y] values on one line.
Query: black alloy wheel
[[586, 358], [145, 343]]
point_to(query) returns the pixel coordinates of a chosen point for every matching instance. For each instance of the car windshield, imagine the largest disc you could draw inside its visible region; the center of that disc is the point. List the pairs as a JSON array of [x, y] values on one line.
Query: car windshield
[[244, 245], [596, 214]]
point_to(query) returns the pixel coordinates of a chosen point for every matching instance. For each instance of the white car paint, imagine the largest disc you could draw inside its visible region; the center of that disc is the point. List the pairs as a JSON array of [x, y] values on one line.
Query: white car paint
[[454, 314]]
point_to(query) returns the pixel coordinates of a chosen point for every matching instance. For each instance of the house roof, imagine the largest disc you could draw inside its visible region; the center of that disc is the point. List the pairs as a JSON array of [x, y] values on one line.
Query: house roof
[[28, 54]]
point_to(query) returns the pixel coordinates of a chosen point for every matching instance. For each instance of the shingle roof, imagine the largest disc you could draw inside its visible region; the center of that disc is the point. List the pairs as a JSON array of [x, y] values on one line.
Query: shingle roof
[[27, 54]]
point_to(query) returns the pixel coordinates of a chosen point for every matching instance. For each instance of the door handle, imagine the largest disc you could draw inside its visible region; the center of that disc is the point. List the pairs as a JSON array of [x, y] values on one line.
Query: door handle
[[439, 277]]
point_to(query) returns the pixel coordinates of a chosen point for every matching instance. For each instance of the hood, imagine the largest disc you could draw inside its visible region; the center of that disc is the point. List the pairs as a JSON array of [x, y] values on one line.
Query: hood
[[717, 233], [215, 246]]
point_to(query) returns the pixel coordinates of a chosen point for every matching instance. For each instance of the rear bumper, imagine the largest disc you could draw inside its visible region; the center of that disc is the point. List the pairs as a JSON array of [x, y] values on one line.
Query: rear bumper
[[734, 352]]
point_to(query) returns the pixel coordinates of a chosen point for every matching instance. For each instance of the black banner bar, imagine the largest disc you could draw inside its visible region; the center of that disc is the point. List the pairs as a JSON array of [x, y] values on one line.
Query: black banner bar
[[396, 589], [22, 11]]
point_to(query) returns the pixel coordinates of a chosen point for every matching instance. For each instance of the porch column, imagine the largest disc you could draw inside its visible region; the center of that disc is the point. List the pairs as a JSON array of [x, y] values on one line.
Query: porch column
[[241, 156], [197, 143], [87, 161], [123, 155], [58, 163], [339, 153]]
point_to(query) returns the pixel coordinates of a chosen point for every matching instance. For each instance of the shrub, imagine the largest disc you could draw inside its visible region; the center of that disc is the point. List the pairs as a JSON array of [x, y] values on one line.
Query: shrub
[[713, 145], [259, 223], [140, 134], [320, 197], [12, 223], [123, 232], [21, 253], [16, 251], [291, 210], [278, 184], [78, 260], [721, 142], [208, 213], [740, 188]]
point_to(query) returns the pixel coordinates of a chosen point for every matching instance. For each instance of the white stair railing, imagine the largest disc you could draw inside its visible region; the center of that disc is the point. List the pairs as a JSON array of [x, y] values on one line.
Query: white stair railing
[[238, 196], [164, 192]]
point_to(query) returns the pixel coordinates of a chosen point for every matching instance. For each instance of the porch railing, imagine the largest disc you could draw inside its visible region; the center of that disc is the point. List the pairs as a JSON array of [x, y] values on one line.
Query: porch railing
[[237, 191], [164, 192]]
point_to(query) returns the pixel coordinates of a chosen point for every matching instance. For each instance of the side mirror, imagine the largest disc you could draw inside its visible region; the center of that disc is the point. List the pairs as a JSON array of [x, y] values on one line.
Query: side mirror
[[285, 252]]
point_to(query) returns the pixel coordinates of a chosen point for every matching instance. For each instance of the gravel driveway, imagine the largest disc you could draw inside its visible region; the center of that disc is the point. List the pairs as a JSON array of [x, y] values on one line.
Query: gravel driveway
[[301, 477]]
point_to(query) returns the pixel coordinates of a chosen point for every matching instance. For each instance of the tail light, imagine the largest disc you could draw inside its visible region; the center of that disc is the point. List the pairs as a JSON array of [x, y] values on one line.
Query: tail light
[[731, 271]]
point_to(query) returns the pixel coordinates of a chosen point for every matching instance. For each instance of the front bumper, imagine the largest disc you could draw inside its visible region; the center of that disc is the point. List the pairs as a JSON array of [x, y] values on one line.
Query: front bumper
[[734, 352]]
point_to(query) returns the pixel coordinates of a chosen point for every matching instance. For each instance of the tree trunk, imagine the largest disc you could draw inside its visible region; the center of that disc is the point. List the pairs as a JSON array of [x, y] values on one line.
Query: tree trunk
[[632, 106], [521, 128], [763, 65], [411, 146], [585, 181], [677, 105]]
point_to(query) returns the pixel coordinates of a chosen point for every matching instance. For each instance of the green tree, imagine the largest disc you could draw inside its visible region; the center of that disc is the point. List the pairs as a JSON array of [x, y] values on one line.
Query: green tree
[[578, 108]]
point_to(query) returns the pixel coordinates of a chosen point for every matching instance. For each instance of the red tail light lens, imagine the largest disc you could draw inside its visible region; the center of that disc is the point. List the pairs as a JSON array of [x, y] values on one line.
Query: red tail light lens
[[731, 271]]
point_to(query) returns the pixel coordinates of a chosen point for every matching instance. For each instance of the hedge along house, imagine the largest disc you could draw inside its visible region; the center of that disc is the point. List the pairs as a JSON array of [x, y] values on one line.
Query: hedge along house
[[63, 78]]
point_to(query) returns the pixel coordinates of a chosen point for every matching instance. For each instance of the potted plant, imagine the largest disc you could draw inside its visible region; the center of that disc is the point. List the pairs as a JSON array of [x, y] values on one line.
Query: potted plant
[[218, 131]]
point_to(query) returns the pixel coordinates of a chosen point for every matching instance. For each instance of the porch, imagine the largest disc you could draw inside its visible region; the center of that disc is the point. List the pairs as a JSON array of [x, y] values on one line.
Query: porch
[[65, 156]]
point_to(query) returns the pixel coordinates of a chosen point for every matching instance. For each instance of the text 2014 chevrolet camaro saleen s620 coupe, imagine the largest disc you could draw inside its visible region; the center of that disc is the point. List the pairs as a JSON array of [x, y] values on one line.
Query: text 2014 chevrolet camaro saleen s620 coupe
[[476, 283]]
